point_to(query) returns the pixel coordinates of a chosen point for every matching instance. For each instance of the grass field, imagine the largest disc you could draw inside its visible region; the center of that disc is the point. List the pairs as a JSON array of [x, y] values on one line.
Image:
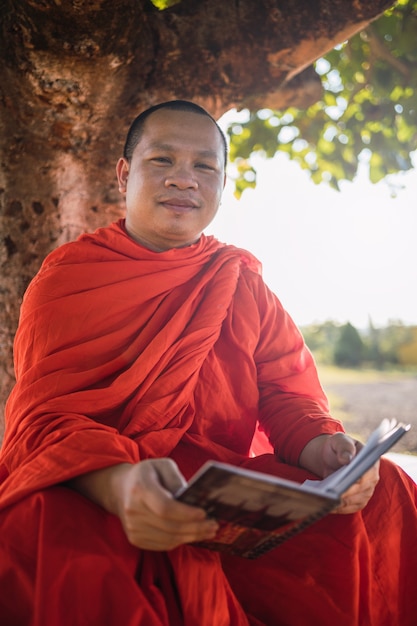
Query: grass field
[[361, 398]]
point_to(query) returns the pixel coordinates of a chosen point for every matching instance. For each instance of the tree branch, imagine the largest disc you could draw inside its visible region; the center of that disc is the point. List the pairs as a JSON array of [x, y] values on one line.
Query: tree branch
[[381, 51]]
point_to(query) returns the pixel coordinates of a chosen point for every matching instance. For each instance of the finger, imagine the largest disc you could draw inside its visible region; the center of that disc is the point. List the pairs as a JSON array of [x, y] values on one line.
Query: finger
[[368, 480], [170, 475], [355, 500], [351, 507], [343, 447], [161, 473], [157, 499], [358, 496], [167, 509], [166, 536], [146, 497]]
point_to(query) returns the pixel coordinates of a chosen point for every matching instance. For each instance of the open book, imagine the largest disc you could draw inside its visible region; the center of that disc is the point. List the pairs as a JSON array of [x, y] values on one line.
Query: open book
[[257, 511]]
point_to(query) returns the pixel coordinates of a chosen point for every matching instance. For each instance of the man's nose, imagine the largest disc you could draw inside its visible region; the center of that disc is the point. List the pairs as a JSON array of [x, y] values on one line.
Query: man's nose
[[182, 177]]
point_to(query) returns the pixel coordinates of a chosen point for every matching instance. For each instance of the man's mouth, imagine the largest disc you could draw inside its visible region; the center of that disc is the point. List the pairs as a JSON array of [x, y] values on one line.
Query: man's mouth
[[180, 205]]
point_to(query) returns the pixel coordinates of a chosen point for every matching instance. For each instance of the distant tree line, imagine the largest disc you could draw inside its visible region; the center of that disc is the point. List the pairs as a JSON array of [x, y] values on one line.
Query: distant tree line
[[346, 346]]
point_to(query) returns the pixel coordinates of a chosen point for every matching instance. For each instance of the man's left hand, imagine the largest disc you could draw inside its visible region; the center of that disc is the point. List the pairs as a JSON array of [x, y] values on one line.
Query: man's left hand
[[325, 454]]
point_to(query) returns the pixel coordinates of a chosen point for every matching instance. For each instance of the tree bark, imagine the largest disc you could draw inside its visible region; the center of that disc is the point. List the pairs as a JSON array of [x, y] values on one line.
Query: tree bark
[[74, 74]]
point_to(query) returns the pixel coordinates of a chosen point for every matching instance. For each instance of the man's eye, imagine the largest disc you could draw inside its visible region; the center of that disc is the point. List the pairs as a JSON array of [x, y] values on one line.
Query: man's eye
[[161, 159], [205, 166]]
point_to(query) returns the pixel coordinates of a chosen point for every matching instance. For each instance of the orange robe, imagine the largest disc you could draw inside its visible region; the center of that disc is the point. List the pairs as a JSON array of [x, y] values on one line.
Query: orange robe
[[124, 354]]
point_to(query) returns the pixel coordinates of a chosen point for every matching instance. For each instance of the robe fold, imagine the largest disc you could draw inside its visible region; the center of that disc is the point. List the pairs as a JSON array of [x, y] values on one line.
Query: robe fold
[[124, 354]]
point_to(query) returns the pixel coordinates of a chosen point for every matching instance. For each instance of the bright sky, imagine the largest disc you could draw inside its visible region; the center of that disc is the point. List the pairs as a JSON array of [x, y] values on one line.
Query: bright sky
[[342, 256]]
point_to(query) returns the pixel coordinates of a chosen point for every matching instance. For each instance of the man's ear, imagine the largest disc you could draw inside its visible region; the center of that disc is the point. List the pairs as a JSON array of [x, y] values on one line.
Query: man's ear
[[122, 171]]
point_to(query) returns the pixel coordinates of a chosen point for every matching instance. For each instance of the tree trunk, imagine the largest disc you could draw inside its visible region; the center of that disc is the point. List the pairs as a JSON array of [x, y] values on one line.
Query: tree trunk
[[74, 74]]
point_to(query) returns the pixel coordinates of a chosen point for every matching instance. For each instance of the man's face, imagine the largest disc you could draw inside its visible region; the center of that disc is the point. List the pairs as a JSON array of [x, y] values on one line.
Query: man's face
[[174, 181]]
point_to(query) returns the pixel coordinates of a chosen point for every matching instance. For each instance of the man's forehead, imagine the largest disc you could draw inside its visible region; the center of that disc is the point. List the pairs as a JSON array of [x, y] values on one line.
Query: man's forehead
[[166, 112], [163, 120], [164, 128]]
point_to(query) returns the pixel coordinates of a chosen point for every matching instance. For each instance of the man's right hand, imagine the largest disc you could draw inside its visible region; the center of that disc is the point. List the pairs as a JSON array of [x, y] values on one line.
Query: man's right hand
[[141, 495]]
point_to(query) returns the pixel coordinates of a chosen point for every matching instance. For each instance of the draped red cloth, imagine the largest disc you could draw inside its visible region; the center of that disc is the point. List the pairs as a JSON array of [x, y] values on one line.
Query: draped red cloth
[[123, 354]]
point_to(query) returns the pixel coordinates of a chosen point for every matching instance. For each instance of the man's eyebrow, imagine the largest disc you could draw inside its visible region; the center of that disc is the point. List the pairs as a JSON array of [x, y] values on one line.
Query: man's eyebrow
[[207, 153], [156, 145]]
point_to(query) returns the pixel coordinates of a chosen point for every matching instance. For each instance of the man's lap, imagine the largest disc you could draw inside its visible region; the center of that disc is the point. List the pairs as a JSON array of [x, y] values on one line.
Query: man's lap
[[64, 560]]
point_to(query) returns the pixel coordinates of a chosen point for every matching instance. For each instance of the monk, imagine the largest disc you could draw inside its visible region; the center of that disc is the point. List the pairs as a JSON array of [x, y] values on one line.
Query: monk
[[143, 350]]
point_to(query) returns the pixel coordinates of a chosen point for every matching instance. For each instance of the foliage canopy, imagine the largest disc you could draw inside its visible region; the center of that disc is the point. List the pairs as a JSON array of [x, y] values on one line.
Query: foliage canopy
[[368, 110]]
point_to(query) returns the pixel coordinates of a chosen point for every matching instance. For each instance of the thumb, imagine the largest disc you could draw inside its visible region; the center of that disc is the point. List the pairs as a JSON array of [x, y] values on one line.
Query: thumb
[[169, 475], [344, 448]]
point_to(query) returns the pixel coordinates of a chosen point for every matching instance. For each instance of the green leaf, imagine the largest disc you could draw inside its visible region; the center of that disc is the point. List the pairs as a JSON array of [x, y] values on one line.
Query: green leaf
[[164, 4]]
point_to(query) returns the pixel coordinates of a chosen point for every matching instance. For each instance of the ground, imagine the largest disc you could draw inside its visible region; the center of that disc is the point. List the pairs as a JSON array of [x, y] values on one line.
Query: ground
[[362, 399]]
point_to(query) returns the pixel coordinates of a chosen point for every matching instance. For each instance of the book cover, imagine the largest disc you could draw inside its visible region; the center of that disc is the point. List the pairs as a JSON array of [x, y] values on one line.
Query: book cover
[[257, 512]]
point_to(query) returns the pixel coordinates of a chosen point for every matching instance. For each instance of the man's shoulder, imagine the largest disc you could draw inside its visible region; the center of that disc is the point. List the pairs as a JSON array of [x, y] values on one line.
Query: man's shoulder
[[247, 260], [94, 246]]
